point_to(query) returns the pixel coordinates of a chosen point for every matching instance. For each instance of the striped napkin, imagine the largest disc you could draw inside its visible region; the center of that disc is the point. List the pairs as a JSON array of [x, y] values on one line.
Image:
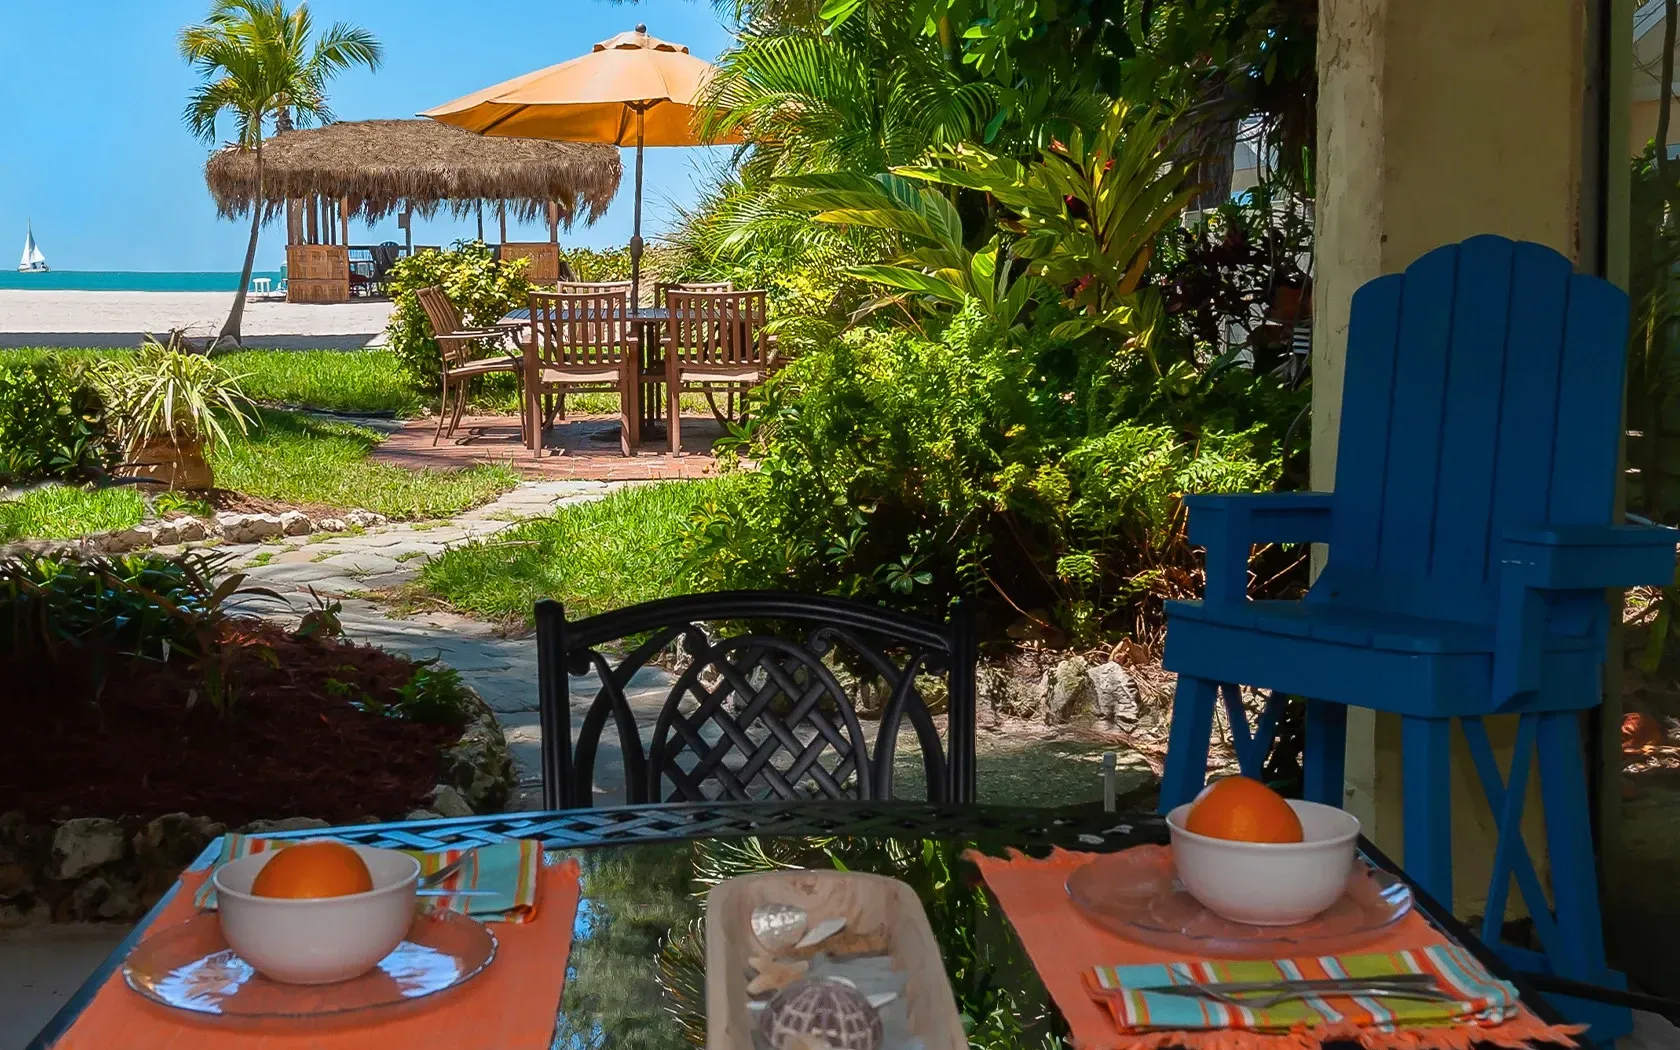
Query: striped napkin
[[509, 868], [1482, 1000]]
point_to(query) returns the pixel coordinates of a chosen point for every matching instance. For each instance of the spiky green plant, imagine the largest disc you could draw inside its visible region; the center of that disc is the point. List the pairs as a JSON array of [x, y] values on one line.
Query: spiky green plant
[[168, 394]]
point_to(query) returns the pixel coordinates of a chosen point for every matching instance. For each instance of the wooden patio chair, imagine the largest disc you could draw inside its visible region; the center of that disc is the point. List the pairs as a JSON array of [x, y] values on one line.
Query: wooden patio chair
[[754, 715], [581, 342], [713, 339], [663, 289], [459, 347]]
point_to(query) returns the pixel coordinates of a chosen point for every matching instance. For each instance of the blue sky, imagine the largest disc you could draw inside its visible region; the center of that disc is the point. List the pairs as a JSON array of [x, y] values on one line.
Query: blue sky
[[92, 147]]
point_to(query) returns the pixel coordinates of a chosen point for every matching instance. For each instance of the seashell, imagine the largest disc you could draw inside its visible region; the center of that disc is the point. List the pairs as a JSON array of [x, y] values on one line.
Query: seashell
[[821, 932], [779, 926], [825, 1009]]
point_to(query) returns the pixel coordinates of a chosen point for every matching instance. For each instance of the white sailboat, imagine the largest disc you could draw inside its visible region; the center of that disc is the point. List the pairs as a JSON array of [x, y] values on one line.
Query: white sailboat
[[33, 260]]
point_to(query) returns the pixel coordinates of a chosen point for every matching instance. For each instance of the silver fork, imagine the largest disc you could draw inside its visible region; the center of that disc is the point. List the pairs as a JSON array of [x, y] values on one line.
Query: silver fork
[[1259, 995]]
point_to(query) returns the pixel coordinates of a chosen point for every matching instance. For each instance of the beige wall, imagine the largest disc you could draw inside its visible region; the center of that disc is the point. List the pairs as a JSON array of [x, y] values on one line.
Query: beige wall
[[1438, 119]]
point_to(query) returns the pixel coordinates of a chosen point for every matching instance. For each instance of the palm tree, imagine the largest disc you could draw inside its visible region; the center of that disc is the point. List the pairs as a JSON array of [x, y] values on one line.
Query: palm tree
[[261, 62]]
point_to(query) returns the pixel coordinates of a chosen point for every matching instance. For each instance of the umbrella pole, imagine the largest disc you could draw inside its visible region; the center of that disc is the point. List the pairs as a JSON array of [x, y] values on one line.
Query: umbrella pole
[[636, 234]]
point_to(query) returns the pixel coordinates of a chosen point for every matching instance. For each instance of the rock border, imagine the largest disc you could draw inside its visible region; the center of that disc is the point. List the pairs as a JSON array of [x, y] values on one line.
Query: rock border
[[103, 869], [229, 527]]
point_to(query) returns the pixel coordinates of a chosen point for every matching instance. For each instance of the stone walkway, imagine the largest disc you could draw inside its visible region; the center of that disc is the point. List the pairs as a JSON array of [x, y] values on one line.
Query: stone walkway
[[503, 670]]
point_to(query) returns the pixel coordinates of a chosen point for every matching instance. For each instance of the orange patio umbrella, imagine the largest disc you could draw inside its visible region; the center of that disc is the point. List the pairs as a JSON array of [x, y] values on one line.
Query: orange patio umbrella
[[632, 88]]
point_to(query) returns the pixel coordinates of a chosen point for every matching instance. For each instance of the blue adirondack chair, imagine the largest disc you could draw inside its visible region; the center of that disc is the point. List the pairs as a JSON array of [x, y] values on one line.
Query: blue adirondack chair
[[1470, 544]]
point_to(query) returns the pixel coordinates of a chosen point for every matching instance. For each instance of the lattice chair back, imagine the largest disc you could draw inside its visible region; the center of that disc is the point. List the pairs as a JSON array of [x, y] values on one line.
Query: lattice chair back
[[1482, 394], [756, 715], [582, 330], [717, 328]]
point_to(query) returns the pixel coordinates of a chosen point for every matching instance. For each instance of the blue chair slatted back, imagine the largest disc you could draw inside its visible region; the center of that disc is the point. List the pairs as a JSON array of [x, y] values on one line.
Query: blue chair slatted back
[[1483, 392]]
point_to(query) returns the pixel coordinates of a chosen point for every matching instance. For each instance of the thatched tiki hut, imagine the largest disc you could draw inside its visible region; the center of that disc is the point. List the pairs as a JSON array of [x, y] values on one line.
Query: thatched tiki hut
[[323, 177]]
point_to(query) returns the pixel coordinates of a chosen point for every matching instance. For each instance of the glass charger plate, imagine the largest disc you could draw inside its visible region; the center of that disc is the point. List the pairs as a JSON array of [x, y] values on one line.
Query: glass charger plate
[[1134, 893], [190, 967]]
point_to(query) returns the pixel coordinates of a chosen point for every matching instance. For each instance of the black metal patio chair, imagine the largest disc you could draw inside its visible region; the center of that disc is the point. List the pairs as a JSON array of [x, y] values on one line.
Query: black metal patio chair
[[758, 709]]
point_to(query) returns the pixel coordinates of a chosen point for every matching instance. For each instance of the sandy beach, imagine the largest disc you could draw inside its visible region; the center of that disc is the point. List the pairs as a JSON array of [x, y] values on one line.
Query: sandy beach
[[117, 319]]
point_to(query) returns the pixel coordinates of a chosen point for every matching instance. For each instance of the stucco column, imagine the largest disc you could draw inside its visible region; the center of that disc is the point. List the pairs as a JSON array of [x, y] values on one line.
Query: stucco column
[[1437, 120]]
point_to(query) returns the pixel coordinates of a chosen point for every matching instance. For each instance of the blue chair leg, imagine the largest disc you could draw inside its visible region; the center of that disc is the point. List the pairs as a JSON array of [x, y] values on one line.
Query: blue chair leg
[[1563, 787], [1187, 745], [1426, 795], [1324, 766]]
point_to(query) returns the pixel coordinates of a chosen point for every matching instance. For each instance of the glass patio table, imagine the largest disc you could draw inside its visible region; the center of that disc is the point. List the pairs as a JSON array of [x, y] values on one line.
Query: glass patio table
[[636, 972]]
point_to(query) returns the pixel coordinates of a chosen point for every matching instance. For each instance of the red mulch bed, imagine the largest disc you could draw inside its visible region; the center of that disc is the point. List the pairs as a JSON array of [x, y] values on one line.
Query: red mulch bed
[[289, 747]]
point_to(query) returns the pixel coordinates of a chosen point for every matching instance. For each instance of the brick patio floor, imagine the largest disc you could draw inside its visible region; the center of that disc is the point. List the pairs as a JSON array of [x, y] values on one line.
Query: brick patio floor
[[582, 447]]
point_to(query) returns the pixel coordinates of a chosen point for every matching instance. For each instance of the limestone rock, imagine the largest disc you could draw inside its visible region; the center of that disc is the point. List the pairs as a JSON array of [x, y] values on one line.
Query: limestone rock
[[165, 533], [174, 840], [445, 801], [1006, 695], [191, 530], [81, 845], [101, 897], [364, 519], [129, 539], [259, 827], [295, 523], [248, 528], [331, 525], [1069, 695], [1115, 694], [479, 767], [421, 814], [15, 880]]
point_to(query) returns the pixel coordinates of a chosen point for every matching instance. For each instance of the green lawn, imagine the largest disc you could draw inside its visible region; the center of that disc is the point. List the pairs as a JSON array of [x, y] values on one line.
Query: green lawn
[[61, 513], [369, 381], [329, 380], [591, 556], [300, 459]]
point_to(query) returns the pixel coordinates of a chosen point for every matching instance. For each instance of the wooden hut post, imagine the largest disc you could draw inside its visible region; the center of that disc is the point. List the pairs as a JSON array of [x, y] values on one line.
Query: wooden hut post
[[501, 216], [553, 223], [344, 220], [481, 222], [294, 222], [310, 207]]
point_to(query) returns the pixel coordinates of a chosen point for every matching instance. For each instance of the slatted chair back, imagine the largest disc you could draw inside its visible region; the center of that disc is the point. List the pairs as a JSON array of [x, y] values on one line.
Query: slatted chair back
[[584, 331], [445, 319], [592, 287], [1483, 392], [662, 289], [718, 328], [764, 714]]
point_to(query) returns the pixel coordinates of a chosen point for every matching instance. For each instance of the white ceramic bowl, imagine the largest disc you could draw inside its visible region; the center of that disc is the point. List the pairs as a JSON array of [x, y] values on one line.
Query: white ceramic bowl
[[1268, 883], [317, 940]]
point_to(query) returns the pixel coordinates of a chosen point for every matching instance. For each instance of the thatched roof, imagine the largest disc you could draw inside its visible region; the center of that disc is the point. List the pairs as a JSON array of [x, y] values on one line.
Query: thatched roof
[[383, 165]]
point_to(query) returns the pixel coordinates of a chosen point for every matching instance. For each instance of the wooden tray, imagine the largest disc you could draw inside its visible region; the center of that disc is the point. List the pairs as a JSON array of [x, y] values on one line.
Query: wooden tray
[[871, 904]]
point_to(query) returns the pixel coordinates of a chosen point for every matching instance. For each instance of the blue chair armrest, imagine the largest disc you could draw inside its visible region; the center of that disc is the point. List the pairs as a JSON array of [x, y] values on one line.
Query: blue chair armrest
[[1229, 526], [1535, 563], [1586, 557]]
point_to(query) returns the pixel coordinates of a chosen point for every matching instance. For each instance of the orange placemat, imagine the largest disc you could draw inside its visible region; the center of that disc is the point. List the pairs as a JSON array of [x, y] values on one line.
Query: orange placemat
[[510, 1006], [1064, 946]]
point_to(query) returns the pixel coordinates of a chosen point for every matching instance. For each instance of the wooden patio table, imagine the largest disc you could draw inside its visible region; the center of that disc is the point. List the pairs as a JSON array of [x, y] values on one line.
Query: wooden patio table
[[642, 866], [647, 320]]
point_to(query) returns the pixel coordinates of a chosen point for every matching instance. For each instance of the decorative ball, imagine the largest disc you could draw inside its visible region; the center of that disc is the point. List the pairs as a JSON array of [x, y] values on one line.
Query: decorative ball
[[828, 1008]]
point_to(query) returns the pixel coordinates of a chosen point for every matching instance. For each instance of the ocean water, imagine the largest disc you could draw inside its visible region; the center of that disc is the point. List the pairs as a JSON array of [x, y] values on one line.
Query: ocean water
[[127, 281]]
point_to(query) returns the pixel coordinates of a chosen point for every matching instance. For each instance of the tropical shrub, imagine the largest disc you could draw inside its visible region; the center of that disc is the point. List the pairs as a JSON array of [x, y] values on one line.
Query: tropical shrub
[[912, 470], [482, 287], [52, 423]]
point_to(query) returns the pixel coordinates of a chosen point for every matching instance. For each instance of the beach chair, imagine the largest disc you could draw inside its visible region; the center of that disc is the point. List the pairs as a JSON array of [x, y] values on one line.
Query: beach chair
[[1470, 542]]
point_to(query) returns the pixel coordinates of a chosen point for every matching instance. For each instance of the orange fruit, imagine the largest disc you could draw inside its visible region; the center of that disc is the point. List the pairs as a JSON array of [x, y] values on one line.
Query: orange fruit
[[1243, 809], [313, 869]]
